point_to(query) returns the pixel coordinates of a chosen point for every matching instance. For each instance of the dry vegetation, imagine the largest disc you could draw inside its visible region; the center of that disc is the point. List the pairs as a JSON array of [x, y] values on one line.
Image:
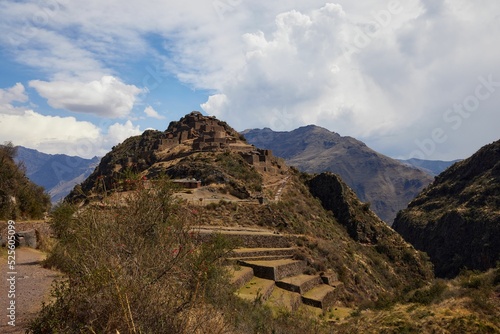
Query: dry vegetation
[[137, 269], [469, 303], [134, 266]]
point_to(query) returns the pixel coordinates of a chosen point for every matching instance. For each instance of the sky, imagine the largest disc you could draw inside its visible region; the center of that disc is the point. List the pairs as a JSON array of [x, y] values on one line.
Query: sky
[[412, 79]]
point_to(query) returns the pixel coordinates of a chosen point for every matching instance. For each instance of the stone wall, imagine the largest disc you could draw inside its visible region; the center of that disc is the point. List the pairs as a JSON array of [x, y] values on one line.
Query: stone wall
[[41, 229], [253, 240]]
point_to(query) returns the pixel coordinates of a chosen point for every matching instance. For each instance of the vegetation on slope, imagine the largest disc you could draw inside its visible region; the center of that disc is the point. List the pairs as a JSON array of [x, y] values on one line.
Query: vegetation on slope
[[469, 303], [124, 161], [137, 268], [19, 197], [456, 220], [131, 268], [384, 268]]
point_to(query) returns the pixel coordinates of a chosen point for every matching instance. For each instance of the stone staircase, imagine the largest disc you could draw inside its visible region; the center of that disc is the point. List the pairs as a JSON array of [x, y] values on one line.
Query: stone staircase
[[264, 269], [256, 254], [282, 283]]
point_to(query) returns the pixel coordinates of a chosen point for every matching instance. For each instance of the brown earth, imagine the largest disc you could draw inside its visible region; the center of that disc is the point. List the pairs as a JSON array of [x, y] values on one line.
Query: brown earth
[[32, 287]]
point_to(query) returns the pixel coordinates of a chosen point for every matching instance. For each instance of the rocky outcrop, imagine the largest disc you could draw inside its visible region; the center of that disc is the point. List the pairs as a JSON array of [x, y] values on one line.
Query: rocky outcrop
[[364, 227], [456, 220], [360, 222]]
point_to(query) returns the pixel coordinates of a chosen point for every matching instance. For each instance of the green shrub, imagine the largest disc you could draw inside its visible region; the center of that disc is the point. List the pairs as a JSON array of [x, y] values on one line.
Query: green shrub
[[430, 294]]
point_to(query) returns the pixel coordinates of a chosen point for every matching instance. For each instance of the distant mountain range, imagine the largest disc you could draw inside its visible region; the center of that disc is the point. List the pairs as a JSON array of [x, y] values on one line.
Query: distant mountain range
[[456, 220], [57, 173], [387, 184], [20, 198], [432, 167]]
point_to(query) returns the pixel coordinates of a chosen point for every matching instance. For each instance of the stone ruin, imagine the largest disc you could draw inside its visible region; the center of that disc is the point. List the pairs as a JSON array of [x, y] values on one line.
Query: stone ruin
[[208, 134]]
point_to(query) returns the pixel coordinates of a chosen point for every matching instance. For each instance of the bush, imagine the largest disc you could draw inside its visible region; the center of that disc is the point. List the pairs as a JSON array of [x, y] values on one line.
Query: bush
[[133, 269], [428, 295]]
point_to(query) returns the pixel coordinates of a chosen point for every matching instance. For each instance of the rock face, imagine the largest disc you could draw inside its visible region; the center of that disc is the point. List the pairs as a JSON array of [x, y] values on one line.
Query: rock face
[[387, 184], [338, 198], [364, 227], [456, 220]]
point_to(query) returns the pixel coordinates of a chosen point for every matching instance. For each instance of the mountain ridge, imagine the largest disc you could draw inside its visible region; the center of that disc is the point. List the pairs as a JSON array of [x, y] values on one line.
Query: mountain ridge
[[57, 173], [432, 167], [456, 219], [386, 183]]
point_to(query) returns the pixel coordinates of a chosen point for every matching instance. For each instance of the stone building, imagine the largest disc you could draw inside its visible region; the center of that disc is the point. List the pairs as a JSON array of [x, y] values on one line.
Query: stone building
[[208, 134]]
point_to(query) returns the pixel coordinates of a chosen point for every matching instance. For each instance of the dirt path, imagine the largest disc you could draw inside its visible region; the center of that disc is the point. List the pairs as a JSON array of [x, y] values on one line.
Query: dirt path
[[277, 197], [32, 286]]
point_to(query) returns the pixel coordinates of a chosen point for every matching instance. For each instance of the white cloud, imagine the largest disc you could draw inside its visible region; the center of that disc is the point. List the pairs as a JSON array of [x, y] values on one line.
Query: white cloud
[[119, 132], [108, 97], [299, 75], [215, 104], [15, 93], [348, 66], [150, 112], [407, 68], [49, 134], [54, 134]]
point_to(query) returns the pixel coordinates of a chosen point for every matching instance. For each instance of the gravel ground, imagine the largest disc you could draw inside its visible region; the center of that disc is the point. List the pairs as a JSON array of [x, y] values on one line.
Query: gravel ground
[[32, 286]]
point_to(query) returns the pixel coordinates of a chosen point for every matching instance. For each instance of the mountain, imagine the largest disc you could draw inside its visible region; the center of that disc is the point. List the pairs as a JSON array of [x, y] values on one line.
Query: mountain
[[19, 197], [244, 186], [387, 184], [58, 173], [456, 220], [229, 214], [432, 167]]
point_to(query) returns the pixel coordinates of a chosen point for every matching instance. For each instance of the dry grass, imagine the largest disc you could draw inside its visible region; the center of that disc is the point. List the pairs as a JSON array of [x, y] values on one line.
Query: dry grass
[[133, 268], [468, 304]]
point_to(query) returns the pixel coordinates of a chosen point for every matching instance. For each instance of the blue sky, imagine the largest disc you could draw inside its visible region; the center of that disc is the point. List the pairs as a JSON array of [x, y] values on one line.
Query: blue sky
[[418, 78]]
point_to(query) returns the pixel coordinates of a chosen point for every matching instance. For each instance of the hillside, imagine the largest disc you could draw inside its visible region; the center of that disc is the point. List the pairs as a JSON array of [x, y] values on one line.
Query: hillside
[[19, 197], [236, 178], [456, 220], [387, 184], [238, 242], [57, 173]]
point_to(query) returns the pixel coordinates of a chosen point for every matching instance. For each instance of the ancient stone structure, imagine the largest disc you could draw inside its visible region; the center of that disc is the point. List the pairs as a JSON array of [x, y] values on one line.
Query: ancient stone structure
[[188, 183], [208, 134]]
